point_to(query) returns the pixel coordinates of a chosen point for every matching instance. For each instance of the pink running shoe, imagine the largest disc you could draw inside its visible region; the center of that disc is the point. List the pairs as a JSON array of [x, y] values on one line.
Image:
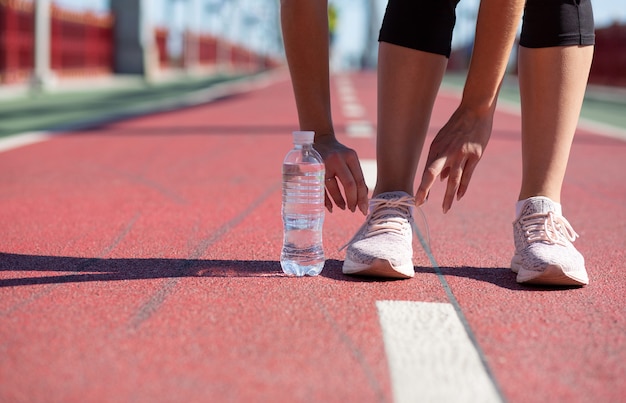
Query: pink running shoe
[[544, 253], [383, 246]]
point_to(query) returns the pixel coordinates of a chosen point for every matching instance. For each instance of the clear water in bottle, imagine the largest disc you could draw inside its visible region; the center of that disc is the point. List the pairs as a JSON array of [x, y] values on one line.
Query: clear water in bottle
[[303, 209]]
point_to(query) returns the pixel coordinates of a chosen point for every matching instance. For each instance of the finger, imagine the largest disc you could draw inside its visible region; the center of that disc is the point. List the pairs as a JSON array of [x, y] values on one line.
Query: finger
[[344, 176], [444, 174], [361, 187], [333, 190], [468, 171], [431, 172], [328, 203], [454, 181]]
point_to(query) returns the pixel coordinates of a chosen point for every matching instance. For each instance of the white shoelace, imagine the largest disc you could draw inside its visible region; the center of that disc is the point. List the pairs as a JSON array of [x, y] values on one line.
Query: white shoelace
[[548, 227], [381, 219]]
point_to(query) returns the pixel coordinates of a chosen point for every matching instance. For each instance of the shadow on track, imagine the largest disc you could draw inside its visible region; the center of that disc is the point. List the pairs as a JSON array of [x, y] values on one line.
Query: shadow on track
[[40, 270], [84, 269], [502, 277]]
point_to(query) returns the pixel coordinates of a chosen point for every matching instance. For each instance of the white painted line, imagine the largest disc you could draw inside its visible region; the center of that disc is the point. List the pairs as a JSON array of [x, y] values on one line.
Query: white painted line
[[199, 97], [351, 107], [348, 98], [342, 78], [368, 166], [345, 87], [514, 108], [602, 129], [593, 126], [431, 357], [23, 139], [597, 128], [353, 110], [360, 129]]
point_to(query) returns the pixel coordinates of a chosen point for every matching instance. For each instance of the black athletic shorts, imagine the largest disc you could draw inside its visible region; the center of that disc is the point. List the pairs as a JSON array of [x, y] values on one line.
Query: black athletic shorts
[[427, 25]]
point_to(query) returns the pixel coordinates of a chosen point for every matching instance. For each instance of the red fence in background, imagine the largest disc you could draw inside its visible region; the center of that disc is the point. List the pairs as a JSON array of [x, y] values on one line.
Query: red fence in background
[[16, 40], [81, 43], [609, 59], [209, 49], [160, 39], [212, 51]]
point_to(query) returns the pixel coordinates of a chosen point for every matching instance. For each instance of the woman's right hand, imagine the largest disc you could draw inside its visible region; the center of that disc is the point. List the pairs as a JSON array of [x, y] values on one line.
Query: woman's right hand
[[342, 170]]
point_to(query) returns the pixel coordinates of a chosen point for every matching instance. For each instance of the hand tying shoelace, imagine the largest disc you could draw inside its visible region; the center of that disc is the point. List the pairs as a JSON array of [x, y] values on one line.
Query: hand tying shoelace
[[382, 246]]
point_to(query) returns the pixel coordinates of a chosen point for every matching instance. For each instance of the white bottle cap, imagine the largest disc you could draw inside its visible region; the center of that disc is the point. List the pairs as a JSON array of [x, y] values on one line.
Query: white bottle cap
[[303, 137]]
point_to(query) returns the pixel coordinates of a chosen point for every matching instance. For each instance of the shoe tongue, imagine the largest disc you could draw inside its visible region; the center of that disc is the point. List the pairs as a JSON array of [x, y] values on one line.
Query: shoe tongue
[[539, 204]]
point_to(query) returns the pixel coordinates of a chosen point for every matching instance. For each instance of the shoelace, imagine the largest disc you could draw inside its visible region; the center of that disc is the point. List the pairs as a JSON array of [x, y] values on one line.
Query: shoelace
[[548, 227], [380, 220]]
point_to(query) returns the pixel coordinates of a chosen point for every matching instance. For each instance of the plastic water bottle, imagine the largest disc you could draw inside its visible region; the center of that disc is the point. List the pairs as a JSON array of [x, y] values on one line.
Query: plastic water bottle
[[303, 208]]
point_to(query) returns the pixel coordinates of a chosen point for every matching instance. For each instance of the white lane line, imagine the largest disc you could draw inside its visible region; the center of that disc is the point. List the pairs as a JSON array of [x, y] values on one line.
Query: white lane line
[[368, 166], [357, 126], [345, 89], [23, 139], [602, 129], [198, 97], [359, 129], [353, 110], [430, 355], [348, 98], [514, 108]]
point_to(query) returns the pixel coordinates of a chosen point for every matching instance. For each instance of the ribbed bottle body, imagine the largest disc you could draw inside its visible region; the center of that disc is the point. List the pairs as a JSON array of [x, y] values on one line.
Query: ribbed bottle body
[[303, 212]]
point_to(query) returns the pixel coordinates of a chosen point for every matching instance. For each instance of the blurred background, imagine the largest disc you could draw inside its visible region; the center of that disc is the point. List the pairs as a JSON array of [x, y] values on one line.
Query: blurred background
[[50, 43]]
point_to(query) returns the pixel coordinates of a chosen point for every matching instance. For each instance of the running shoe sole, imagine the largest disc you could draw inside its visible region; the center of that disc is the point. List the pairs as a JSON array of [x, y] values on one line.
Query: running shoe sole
[[551, 275], [378, 268]]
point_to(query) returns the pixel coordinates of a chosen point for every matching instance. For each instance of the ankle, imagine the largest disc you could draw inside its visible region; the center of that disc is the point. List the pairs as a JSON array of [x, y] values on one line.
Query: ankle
[[520, 204]]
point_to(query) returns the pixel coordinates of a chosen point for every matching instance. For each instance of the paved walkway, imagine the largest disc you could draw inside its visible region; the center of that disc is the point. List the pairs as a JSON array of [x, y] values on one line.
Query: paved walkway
[[139, 262]]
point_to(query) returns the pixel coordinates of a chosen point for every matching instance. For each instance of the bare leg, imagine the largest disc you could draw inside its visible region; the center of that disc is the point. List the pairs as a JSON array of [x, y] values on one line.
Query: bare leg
[[408, 81], [305, 33], [552, 86]]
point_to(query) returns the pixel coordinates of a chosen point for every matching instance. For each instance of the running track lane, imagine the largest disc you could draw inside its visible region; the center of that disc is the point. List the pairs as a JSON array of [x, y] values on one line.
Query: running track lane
[[139, 262]]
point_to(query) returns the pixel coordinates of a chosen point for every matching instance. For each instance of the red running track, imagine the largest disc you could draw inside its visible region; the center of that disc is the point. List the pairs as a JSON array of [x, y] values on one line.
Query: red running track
[[139, 262]]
